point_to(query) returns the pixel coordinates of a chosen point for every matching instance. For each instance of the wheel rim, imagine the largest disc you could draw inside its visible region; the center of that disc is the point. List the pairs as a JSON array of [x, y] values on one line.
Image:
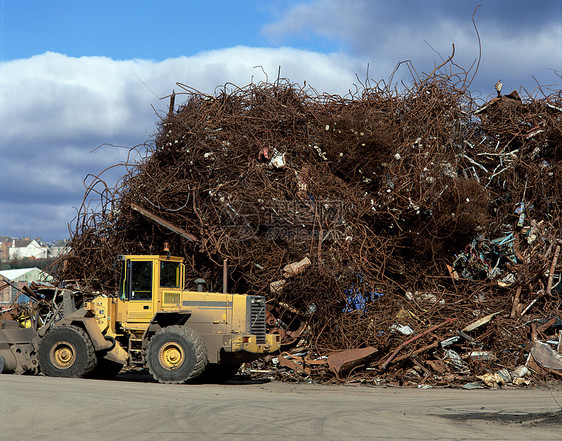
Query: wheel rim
[[171, 356], [63, 355]]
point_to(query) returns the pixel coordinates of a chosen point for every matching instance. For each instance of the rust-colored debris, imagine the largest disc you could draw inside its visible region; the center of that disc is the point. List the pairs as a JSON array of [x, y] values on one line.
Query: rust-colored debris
[[344, 361], [398, 218]]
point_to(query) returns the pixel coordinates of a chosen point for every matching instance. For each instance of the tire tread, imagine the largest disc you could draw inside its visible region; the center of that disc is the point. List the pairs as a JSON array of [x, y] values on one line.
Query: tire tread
[[44, 358], [191, 337]]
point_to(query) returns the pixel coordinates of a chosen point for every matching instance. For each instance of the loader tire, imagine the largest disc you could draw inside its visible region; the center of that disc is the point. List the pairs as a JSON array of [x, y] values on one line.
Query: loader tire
[[176, 354], [66, 351]]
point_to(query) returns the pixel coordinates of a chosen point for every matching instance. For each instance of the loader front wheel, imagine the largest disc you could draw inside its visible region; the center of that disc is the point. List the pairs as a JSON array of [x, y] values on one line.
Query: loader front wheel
[[66, 351], [176, 354]]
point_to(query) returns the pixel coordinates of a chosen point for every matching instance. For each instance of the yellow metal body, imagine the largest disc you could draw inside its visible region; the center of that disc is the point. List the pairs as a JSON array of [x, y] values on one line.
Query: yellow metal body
[[224, 321]]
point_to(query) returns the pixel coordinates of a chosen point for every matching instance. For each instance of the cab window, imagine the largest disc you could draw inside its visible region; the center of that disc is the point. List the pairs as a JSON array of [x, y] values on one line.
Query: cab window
[[169, 274], [140, 280]]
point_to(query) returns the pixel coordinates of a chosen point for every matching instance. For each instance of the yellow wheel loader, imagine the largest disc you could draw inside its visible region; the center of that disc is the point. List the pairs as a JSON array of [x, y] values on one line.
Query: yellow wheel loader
[[153, 322]]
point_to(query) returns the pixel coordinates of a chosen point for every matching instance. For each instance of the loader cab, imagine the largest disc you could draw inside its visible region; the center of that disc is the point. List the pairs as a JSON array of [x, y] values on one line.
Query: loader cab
[[144, 281]]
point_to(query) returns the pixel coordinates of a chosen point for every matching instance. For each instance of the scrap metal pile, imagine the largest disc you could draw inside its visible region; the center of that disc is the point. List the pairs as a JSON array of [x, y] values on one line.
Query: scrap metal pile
[[413, 228]]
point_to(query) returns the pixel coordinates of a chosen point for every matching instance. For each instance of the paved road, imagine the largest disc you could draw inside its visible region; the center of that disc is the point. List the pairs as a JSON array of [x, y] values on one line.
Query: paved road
[[43, 408]]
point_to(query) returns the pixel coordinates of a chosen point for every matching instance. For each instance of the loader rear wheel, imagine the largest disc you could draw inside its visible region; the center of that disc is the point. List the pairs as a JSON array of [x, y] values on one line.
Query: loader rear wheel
[[66, 351], [176, 354]]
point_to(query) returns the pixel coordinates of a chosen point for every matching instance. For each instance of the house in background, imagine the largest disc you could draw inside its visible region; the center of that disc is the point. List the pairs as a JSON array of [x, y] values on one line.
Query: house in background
[[26, 248], [19, 277]]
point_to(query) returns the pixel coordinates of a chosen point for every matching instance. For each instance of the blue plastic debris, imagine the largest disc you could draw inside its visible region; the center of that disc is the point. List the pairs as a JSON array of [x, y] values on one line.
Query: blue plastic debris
[[357, 298], [357, 301]]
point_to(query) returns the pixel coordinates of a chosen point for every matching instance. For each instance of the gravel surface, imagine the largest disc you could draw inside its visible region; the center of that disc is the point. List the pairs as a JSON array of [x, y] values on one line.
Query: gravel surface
[[44, 408]]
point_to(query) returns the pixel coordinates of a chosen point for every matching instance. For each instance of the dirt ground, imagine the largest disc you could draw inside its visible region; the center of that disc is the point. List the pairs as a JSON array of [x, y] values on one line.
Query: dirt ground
[[129, 408]]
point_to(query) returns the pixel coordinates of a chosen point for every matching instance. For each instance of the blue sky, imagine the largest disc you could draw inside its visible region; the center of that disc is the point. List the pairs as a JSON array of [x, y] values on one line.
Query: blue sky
[[129, 29], [75, 75]]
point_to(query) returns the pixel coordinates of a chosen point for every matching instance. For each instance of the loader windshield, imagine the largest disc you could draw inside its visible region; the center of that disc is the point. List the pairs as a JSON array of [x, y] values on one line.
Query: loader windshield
[[136, 280], [170, 274]]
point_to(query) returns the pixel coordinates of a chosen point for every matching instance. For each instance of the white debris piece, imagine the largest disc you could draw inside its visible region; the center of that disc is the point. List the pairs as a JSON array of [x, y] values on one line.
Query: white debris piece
[[292, 269], [403, 329], [423, 297], [277, 286], [277, 159]]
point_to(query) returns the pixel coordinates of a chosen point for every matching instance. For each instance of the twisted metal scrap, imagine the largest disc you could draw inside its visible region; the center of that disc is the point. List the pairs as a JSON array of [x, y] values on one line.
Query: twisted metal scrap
[[414, 176]]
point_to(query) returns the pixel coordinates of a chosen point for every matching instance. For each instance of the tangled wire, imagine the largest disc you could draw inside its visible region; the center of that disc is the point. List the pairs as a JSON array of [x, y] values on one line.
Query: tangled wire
[[381, 190]]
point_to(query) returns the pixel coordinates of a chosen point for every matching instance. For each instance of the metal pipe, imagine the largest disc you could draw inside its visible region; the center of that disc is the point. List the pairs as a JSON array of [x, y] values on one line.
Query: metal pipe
[[224, 276]]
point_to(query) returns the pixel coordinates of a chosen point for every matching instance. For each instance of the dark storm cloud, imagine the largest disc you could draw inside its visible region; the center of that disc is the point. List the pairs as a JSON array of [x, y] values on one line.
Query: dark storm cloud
[[519, 39], [365, 24], [507, 15], [47, 172]]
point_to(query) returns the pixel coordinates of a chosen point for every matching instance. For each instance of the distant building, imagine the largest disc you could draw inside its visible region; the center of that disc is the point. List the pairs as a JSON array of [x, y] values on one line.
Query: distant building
[[19, 277], [5, 242], [26, 248], [58, 248]]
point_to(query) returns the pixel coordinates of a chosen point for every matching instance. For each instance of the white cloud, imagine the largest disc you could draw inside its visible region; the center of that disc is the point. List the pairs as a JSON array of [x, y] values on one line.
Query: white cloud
[[329, 18], [60, 97], [55, 110]]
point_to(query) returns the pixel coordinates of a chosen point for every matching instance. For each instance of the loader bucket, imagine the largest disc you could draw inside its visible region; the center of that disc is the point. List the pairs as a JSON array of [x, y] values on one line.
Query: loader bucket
[[18, 348]]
